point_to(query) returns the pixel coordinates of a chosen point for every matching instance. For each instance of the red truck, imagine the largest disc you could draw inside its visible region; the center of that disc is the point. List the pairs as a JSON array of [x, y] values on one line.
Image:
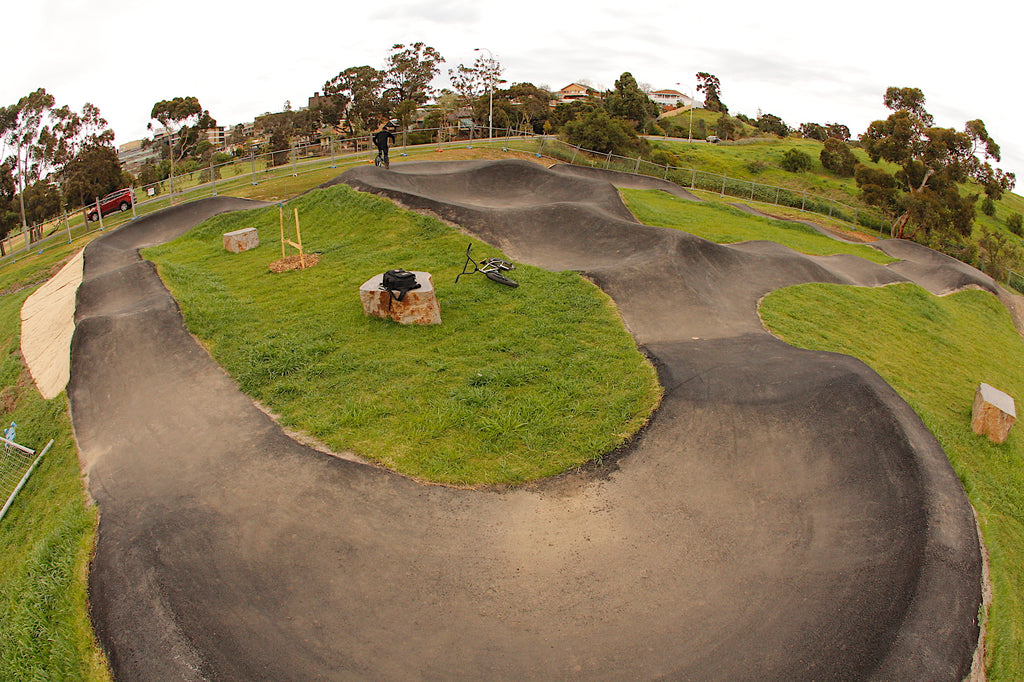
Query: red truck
[[120, 200]]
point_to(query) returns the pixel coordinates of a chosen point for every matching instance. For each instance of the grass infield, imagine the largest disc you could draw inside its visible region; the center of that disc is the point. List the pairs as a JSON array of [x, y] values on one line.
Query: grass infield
[[514, 385]]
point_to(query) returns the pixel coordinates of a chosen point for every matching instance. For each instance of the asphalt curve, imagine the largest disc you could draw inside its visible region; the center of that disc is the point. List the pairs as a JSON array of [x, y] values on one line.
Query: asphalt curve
[[785, 516]]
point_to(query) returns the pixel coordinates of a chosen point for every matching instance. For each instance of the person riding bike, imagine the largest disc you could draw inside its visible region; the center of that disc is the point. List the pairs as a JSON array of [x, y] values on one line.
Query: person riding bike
[[380, 139]]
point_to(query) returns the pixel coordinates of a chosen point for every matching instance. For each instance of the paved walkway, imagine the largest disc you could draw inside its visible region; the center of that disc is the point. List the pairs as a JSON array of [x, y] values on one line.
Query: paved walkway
[[785, 516]]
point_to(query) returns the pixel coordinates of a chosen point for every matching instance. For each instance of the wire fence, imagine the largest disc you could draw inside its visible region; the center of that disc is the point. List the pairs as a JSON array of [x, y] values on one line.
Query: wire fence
[[17, 463], [238, 175]]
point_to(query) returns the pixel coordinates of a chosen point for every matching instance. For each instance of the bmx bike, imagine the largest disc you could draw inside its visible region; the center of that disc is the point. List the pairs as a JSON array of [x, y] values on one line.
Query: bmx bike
[[381, 162], [492, 268]]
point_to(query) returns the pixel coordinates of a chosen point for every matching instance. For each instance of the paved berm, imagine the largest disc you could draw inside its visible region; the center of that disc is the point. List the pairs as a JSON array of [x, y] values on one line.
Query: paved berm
[[785, 516]]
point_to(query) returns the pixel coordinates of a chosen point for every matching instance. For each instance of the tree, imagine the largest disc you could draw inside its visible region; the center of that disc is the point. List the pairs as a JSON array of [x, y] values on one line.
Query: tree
[[796, 161], [89, 167], [769, 123], [92, 173], [837, 157], [933, 162], [357, 98], [726, 126], [30, 130], [183, 119], [408, 73], [838, 131], [712, 89], [813, 131], [474, 85], [627, 101], [599, 132]]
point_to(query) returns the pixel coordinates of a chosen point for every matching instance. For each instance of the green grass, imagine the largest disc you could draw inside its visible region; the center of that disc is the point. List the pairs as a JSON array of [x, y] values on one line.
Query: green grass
[[934, 352], [718, 222], [514, 385], [46, 538]]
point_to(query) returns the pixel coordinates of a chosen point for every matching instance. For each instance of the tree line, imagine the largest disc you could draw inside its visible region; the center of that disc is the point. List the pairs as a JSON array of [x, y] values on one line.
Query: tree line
[[55, 158]]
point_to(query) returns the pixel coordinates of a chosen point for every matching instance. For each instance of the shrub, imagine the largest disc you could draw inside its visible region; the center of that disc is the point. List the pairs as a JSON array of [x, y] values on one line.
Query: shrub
[[837, 157], [796, 161], [988, 207], [1014, 224]]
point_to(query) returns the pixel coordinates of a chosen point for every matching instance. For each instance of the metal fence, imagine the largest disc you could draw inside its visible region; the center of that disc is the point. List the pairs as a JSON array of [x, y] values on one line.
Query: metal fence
[[258, 168]]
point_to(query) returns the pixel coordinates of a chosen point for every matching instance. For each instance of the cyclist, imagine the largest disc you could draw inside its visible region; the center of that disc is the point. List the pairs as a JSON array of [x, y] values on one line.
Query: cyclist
[[380, 139]]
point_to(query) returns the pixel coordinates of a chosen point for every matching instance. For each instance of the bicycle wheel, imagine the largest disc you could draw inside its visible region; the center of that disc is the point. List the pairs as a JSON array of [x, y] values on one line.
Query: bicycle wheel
[[500, 279], [378, 161]]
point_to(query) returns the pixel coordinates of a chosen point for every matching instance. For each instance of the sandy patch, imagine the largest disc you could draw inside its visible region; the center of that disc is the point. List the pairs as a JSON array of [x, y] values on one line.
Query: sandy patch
[[47, 325]]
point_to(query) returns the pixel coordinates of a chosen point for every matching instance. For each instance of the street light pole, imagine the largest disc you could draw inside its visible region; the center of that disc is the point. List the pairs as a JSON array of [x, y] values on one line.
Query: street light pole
[[490, 91], [689, 133]]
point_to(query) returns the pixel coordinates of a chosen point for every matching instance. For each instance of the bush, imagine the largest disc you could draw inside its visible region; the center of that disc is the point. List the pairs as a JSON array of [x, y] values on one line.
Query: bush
[[1014, 224], [664, 158], [796, 161], [837, 157], [988, 207]]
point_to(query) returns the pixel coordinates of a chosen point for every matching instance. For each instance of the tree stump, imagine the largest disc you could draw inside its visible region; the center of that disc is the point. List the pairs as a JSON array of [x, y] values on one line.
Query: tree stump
[[993, 413], [241, 240], [418, 306]]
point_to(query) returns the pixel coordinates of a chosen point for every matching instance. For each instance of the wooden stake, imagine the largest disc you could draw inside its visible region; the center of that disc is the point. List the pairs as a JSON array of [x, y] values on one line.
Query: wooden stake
[[298, 236], [280, 215]]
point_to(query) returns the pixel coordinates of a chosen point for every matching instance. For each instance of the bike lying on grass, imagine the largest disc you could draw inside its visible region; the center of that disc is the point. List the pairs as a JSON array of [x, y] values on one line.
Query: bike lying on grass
[[493, 269]]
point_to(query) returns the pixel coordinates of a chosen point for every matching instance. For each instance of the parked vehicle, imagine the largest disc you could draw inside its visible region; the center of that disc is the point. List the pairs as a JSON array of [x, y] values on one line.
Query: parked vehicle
[[714, 139], [120, 200]]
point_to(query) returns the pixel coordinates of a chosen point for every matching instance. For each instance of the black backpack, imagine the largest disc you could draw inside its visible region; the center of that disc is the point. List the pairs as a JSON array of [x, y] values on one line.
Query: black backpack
[[399, 281]]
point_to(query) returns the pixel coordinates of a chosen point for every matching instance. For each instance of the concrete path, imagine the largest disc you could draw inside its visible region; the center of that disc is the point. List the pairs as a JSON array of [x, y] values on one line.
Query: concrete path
[[785, 516]]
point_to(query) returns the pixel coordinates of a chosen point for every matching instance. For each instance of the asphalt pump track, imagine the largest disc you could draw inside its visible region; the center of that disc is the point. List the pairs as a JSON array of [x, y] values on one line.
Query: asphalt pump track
[[784, 516]]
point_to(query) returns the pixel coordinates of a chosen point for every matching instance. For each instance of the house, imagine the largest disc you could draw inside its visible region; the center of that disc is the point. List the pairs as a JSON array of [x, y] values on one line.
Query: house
[[671, 99], [573, 92]]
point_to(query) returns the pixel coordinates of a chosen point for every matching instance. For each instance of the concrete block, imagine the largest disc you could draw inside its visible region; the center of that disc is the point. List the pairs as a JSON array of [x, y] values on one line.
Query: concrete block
[[993, 413], [241, 240]]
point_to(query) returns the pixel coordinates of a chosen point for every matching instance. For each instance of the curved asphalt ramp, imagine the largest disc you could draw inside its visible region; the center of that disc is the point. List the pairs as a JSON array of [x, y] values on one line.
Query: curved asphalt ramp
[[785, 516]]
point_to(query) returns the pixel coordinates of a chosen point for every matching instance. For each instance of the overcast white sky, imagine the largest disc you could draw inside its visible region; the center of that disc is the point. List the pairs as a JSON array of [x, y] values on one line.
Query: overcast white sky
[[800, 60]]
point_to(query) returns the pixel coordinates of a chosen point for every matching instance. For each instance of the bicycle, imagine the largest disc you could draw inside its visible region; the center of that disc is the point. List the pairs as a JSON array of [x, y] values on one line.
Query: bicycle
[[492, 268], [381, 162]]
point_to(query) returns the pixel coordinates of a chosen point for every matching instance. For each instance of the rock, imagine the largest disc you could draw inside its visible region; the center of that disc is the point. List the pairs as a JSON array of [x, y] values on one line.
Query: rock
[[993, 414], [418, 306], [241, 240]]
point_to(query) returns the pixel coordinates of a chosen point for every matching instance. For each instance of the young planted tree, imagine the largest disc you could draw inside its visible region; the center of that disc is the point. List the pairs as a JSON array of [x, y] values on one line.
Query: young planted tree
[[923, 196]]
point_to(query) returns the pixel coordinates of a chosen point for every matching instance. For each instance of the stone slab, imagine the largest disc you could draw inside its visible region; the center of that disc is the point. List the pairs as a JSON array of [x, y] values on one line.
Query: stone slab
[[241, 240]]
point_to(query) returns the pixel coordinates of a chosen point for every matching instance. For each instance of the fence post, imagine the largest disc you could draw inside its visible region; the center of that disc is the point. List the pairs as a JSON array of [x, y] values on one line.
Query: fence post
[[99, 214], [252, 161], [752, 185], [693, 178], [332, 153], [636, 169], [723, 187], [831, 205], [777, 189], [607, 160], [574, 150], [803, 203], [855, 217], [295, 155], [213, 176]]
